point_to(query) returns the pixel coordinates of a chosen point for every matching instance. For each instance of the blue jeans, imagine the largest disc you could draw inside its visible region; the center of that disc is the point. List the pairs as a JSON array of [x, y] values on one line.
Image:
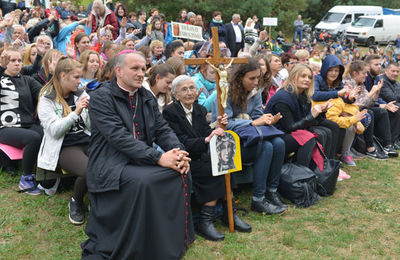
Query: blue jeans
[[298, 32], [267, 166]]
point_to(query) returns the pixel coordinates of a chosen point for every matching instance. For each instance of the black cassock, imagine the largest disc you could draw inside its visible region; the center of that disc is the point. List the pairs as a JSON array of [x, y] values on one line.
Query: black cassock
[[139, 210], [205, 186]]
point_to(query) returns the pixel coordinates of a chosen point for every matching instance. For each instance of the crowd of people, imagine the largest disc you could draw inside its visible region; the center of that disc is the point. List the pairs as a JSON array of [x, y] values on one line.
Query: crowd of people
[[105, 95]]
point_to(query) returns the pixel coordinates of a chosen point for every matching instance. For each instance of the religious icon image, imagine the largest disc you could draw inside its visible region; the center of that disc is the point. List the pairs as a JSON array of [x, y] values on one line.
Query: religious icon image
[[225, 153], [223, 80]]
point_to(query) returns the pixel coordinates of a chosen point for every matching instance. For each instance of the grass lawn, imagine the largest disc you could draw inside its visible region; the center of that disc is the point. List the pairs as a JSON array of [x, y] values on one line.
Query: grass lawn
[[360, 221]]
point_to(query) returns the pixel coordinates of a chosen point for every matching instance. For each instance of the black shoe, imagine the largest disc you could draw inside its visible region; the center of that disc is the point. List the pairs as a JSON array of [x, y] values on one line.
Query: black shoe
[[206, 228], [376, 155], [389, 150], [266, 207], [239, 224], [396, 145], [76, 215], [356, 154], [273, 197]]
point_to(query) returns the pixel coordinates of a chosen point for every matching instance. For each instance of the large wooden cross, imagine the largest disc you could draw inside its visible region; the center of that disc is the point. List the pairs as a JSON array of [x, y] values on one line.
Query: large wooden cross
[[216, 60]]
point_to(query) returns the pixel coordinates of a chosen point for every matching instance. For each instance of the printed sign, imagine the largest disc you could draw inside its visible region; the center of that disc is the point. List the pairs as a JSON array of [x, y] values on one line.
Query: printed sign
[[270, 21], [225, 153], [187, 31]]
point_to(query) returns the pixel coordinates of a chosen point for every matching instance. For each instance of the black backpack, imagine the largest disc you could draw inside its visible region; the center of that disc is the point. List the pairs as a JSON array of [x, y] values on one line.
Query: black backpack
[[299, 185]]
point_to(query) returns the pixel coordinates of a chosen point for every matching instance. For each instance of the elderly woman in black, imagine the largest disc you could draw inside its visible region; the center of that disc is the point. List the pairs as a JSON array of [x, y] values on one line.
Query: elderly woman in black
[[188, 119]]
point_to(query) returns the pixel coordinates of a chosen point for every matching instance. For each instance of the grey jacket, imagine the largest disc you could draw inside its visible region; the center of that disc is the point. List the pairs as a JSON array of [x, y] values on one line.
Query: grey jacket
[[55, 126]]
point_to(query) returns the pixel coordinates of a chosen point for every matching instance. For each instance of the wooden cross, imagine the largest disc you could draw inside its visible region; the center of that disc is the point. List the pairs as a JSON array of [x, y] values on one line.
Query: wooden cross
[[216, 60]]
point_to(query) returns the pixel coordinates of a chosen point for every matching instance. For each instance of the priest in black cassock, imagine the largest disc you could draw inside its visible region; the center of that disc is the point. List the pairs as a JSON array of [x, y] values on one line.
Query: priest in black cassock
[[188, 119], [139, 197]]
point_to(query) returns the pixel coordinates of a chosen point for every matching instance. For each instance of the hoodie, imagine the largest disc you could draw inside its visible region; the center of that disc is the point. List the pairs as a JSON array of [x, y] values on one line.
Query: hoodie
[[321, 89]]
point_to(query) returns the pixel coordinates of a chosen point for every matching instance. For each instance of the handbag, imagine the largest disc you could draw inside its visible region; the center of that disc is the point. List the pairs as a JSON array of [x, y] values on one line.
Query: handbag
[[250, 134], [326, 180], [298, 184]]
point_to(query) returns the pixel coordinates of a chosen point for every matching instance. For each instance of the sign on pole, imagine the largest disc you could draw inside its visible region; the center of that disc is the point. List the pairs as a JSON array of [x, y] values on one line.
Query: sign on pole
[[270, 21], [225, 153], [187, 31]]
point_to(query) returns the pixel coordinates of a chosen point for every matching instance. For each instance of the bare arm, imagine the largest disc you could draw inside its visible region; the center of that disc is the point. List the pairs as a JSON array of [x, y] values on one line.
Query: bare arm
[[229, 65], [212, 66]]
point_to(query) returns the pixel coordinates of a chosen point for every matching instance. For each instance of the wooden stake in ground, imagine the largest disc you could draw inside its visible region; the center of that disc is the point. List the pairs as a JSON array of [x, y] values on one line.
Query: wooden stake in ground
[[216, 60]]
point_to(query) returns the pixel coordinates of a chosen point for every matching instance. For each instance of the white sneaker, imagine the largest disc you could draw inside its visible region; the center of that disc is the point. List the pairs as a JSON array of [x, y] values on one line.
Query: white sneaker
[[51, 191]]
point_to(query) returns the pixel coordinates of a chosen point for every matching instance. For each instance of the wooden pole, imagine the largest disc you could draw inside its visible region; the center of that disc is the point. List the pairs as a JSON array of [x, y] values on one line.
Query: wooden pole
[[269, 39], [221, 112], [228, 175]]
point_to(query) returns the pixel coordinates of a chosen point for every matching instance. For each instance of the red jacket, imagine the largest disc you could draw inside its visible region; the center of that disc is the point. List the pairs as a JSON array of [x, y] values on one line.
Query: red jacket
[[110, 18]]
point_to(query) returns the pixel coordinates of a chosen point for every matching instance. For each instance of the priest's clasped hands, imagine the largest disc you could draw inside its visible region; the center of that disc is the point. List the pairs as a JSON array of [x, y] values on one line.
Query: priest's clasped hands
[[176, 159]]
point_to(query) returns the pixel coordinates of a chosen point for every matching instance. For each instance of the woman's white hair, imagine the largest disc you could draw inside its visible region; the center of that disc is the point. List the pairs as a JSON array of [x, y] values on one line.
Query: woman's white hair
[[177, 81]]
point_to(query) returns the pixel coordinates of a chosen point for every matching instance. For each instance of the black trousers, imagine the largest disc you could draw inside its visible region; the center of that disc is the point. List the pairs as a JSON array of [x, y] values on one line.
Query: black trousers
[[379, 126], [19, 137], [394, 119], [303, 153]]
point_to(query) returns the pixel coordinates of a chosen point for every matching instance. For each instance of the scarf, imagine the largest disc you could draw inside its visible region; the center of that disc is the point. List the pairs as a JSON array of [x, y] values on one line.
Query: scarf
[[215, 21]]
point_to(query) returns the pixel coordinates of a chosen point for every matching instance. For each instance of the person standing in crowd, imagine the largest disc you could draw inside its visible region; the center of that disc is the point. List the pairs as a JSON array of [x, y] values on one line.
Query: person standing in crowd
[[120, 13], [182, 17], [257, 23], [102, 16], [390, 93], [62, 111], [140, 24], [156, 32], [17, 112], [397, 44], [298, 28], [139, 197], [188, 120], [234, 35], [217, 22], [154, 12]]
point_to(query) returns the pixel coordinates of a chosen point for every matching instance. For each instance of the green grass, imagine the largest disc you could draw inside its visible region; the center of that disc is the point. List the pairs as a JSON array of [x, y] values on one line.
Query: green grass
[[360, 221]]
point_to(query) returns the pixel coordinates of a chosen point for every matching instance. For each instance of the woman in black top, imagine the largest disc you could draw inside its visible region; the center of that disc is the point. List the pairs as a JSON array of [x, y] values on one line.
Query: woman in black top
[[18, 128], [293, 101]]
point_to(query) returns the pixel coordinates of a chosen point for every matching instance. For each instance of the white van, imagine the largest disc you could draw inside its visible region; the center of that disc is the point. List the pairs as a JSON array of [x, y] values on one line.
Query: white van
[[340, 17], [371, 29]]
